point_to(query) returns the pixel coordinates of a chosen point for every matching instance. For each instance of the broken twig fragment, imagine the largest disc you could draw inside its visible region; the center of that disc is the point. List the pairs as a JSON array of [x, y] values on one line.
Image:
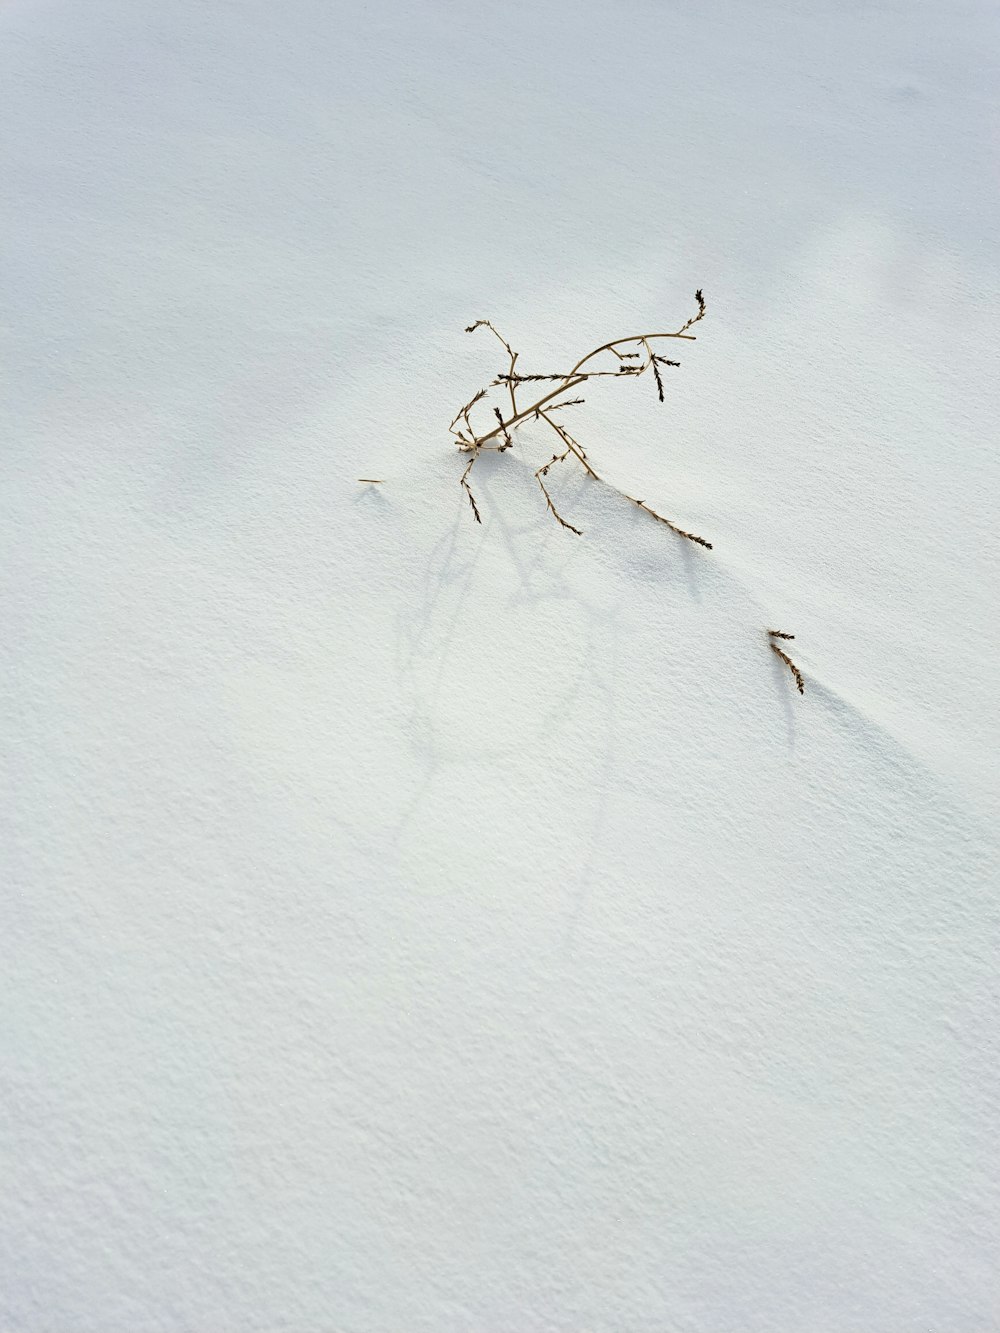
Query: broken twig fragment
[[773, 634]]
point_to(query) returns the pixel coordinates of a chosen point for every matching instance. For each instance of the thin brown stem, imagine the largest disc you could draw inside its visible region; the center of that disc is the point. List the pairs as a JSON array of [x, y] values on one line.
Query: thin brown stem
[[485, 323], [701, 311], [468, 489], [574, 377], [656, 370], [543, 472], [507, 441], [672, 526], [464, 412], [778, 634], [571, 444]]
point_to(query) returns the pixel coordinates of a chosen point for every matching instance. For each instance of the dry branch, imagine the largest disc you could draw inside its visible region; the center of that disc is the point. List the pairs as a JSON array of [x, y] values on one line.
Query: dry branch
[[633, 362], [544, 472], [500, 437], [672, 526], [468, 490], [779, 634]]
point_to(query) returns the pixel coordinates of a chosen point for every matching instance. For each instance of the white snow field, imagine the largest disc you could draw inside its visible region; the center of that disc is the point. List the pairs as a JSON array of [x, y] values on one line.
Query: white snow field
[[422, 926]]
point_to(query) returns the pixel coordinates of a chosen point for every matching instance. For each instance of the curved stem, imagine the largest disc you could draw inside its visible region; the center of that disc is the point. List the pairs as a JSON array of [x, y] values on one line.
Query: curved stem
[[572, 379]]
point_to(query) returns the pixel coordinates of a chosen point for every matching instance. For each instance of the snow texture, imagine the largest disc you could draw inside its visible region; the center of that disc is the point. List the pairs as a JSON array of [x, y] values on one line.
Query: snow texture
[[412, 925]]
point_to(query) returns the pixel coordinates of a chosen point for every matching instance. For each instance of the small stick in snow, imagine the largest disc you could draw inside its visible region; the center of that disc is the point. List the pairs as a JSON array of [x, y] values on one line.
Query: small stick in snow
[[543, 471], [468, 490], [672, 526], [779, 634]]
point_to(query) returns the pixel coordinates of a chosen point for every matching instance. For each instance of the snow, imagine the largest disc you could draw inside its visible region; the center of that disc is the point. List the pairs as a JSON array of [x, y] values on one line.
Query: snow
[[417, 925]]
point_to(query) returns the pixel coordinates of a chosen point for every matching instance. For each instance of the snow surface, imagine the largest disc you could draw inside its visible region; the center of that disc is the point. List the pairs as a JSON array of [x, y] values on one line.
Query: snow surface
[[411, 925]]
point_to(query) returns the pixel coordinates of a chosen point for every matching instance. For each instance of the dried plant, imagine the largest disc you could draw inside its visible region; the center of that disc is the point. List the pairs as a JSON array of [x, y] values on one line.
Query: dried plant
[[639, 357], [635, 355], [773, 634]]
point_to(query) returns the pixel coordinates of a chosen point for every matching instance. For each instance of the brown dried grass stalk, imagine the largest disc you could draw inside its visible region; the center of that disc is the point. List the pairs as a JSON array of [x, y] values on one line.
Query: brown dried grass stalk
[[773, 634], [500, 437]]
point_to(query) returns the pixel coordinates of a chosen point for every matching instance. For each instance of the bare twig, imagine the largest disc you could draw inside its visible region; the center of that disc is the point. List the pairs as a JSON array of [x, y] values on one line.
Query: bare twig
[[464, 411], [578, 375], [571, 444], [635, 355], [701, 311], [544, 472], [468, 490], [499, 437], [672, 526], [657, 376], [778, 634], [485, 323], [506, 434]]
